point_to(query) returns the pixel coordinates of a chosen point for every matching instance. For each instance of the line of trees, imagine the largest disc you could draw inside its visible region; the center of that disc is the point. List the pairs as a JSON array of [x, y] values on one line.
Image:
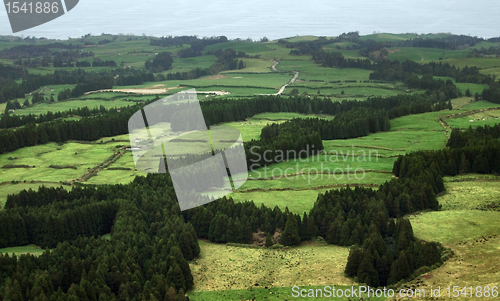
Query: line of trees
[[11, 121]]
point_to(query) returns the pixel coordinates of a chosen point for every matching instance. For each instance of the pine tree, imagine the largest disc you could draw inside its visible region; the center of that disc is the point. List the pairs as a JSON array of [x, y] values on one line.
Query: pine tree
[[269, 240], [353, 261], [366, 273], [176, 277], [399, 269], [290, 236]]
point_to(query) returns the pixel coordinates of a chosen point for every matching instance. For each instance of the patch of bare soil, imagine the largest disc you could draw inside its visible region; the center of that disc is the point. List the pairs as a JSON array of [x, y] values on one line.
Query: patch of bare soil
[[218, 76]]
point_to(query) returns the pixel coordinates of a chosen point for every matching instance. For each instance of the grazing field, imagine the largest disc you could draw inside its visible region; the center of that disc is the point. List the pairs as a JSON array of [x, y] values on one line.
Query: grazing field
[[314, 180], [425, 55], [452, 226], [254, 65], [76, 158], [472, 234], [491, 71], [224, 267], [190, 63], [470, 192], [477, 119], [240, 46], [122, 171], [311, 71], [252, 127], [387, 37], [297, 202]]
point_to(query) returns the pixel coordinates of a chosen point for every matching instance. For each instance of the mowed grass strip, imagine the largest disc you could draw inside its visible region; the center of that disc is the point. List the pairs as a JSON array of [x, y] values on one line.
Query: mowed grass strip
[[223, 267]]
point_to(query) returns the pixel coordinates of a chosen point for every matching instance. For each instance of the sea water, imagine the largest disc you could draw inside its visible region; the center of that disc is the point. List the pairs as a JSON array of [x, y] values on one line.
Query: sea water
[[273, 19]]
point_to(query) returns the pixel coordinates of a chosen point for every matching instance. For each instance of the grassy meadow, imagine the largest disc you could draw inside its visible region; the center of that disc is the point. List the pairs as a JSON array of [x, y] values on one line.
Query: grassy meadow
[[77, 158], [225, 272], [472, 234]]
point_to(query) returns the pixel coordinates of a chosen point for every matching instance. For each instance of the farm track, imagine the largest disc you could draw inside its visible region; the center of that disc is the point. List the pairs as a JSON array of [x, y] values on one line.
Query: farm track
[[94, 171], [292, 80]]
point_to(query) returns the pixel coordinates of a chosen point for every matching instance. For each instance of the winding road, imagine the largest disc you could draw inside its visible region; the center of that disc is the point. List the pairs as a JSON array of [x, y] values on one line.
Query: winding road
[[292, 80]]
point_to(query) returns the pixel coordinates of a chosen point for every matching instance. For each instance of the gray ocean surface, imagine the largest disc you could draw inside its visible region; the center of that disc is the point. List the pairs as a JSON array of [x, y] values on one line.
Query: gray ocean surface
[[273, 19]]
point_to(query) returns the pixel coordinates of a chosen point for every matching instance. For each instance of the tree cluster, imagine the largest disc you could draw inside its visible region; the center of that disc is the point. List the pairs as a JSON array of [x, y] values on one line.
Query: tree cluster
[[146, 258]]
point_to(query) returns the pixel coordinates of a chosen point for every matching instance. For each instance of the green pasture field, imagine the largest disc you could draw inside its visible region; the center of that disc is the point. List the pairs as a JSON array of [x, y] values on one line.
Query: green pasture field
[[252, 127], [10, 188], [359, 93], [325, 163], [459, 102], [427, 121], [491, 71], [237, 80], [452, 226], [342, 45], [247, 47], [474, 88], [190, 63], [474, 61], [309, 70], [469, 192], [389, 143], [82, 156], [490, 118], [301, 39], [277, 52], [254, 65], [224, 267], [472, 234], [297, 202], [484, 44], [426, 55], [28, 249], [305, 182], [111, 177], [482, 104]]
